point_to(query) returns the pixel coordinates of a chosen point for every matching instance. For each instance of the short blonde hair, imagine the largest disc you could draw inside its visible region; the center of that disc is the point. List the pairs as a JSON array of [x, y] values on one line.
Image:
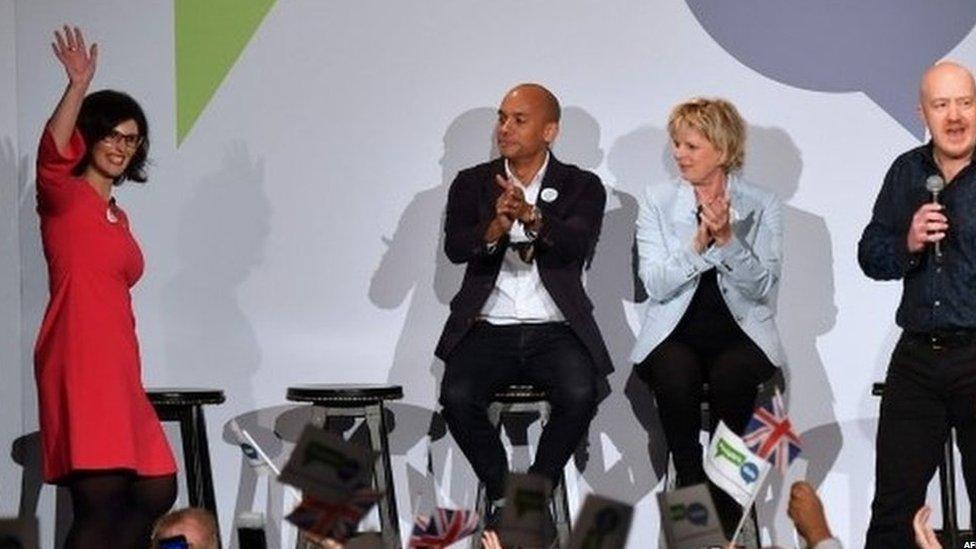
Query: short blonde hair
[[718, 120]]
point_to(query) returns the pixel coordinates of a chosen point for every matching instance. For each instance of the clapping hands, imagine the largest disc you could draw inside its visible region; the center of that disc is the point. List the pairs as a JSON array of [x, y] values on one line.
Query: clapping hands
[[714, 221], [510, 206]]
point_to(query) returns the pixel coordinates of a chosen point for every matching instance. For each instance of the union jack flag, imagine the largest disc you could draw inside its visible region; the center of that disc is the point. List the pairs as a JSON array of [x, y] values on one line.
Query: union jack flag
[[770, 434], [442, 528], [337, 521]]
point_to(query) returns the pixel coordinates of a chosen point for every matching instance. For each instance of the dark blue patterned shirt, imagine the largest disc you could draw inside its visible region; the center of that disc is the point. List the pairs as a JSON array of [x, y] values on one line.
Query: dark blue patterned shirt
[[935, 297]]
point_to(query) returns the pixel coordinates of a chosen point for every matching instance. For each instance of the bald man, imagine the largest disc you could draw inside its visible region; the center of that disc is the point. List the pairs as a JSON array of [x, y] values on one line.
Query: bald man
[[931, 381], [526, 226]]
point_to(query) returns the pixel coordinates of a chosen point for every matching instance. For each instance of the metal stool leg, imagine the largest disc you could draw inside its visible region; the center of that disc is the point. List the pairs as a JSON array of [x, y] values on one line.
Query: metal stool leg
[[560, 499], [188, 437], [560, 504], [203, 455], [947, 485], [383, 474], [196, 457], [495, 410]]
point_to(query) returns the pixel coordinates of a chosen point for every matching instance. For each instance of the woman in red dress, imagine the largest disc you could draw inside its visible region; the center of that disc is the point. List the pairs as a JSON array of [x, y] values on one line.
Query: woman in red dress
[[99, 434]]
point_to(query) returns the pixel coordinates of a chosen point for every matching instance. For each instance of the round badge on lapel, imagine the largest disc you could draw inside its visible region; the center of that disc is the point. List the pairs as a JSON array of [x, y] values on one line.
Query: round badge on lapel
[[549, 194]]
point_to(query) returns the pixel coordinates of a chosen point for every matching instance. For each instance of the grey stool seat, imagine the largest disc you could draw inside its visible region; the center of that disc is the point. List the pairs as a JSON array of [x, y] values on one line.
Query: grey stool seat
[[525, 399], [950, 534], [185, 405], [368, 402]]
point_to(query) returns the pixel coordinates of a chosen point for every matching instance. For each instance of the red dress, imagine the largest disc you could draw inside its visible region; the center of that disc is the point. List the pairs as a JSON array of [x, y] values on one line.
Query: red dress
[[94, 413]]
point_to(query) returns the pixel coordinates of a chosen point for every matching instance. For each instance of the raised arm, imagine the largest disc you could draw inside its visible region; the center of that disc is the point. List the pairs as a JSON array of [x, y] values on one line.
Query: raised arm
[[79, 63]]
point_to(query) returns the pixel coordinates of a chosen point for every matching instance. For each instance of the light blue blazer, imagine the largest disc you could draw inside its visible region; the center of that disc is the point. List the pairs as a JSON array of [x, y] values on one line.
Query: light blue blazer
[[748, 265]]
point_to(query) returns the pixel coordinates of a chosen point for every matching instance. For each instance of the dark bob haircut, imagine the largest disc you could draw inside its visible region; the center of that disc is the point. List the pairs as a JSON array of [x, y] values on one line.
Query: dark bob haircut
[[100, 113]]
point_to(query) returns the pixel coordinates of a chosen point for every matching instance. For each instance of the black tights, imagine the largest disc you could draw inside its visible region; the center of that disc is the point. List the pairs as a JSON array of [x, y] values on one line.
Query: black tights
[[675, 370], [116, 508]]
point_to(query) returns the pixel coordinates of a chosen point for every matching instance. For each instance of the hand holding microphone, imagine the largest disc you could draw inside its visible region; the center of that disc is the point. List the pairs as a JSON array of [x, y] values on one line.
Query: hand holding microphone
[[929, 224]]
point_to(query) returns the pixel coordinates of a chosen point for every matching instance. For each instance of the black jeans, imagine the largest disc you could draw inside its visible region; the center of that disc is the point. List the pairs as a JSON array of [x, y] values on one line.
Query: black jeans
[[929, 388], [675, 370], [489, 358]]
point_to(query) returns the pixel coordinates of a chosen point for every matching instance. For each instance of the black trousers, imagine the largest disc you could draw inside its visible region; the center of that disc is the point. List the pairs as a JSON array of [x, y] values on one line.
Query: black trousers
[[489, 358], [929, 388], [675, 370]]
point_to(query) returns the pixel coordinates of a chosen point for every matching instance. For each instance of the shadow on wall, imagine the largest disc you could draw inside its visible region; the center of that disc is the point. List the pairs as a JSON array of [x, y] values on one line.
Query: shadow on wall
[[26, 452], [806, 311], [208, 339], [16, 190], [221, 236], [620, 460], [415, 267], [858, 436], [33, 276]]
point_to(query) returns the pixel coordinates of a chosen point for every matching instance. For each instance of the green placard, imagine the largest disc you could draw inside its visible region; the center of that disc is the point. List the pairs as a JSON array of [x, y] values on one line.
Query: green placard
[[210, 36]]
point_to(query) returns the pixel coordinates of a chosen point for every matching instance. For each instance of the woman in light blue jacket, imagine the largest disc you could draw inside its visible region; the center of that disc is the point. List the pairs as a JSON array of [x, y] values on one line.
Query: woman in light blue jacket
[[710, 248]]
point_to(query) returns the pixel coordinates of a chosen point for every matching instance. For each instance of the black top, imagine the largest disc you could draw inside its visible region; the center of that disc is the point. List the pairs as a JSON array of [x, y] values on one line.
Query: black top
[[707, 324], [935, 297], [184, 396], [519, 393], [341, 393]]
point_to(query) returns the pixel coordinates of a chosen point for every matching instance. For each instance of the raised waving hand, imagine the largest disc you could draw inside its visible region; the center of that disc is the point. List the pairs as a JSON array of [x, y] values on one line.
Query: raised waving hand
[[79, 63]]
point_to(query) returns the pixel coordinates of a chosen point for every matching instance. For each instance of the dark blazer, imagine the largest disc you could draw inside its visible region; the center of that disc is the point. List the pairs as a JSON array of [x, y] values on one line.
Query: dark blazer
[[570, 227]]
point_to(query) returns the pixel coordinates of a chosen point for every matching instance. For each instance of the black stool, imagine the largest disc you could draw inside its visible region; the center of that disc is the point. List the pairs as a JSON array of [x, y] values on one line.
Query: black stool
[[365, 401], [950, 532], [185, 405], [529, 400]]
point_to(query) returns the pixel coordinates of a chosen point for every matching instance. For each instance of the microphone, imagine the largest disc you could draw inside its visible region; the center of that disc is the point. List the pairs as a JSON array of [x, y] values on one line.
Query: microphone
[[934, 184]]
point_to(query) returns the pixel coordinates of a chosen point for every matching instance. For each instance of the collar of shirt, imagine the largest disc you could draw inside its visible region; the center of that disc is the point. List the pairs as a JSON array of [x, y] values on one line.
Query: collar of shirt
[[928, 154], [688, 200], [531, 190]]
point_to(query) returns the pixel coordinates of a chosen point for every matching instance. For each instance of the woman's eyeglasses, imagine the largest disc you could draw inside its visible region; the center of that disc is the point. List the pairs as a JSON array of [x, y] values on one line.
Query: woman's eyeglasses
[[124, 140]]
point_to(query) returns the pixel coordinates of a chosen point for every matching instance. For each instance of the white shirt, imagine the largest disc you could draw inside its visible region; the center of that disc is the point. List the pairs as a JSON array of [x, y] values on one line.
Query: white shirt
[[519, 296]]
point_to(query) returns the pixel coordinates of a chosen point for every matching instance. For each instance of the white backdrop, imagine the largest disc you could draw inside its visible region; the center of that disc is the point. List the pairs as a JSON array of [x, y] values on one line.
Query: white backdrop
[[11, 378], [293, 236]]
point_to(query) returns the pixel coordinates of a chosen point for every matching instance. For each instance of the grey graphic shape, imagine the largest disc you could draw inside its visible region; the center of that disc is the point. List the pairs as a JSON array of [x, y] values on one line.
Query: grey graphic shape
[[879, 47]]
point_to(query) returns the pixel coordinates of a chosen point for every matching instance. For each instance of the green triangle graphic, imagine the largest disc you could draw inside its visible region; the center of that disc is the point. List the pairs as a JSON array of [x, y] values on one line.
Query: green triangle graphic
[[210, 36]]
